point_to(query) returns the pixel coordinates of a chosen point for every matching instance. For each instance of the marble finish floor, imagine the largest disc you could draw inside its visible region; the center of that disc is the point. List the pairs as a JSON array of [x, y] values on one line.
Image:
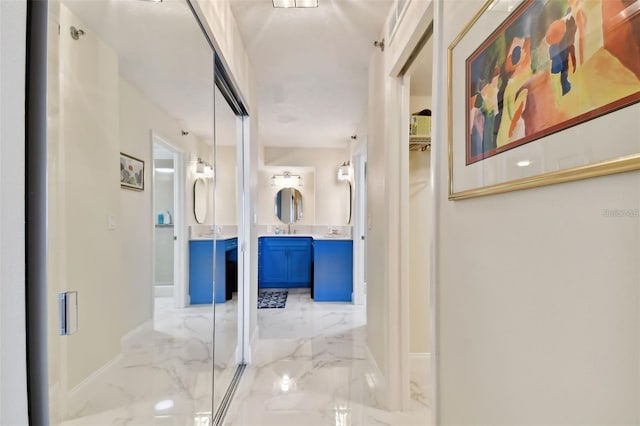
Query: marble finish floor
[[311, 368], [163, 376]]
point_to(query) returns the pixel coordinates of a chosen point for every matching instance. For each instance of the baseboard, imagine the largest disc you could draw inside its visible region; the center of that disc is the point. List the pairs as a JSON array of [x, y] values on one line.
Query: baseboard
[[54, 405], [420, 360], [377, 380], [252, 345], [145, 326], [163, 290], [81, 388]]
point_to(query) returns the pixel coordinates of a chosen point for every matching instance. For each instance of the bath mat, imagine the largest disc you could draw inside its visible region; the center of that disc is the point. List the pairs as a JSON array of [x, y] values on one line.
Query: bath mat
[[272, 299]]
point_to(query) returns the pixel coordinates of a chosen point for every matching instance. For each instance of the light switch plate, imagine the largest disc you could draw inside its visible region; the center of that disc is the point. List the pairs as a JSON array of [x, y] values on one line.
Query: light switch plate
[[112, 222]]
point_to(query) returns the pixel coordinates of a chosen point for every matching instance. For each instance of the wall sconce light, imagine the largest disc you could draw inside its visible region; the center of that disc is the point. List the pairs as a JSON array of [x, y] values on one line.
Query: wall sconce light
[[300, 4], [286, 180], [344, 171], [204, 169]]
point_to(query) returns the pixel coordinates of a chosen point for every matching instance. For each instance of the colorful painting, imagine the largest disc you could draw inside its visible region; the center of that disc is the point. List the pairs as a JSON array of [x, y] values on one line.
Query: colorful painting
[[551, 65], [131, 172]]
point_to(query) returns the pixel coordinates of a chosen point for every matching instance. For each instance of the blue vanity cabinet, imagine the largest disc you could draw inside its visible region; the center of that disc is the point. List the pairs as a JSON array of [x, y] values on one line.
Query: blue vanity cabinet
[[284, 262], [332, 270], [201, 281]]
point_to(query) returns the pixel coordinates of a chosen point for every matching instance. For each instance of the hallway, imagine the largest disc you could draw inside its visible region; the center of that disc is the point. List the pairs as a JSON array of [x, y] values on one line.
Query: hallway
[[311, 368]]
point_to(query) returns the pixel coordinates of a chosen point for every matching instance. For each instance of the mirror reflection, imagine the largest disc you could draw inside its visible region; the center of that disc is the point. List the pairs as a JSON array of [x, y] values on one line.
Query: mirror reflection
[[200, 200], [116, 92], [288, 205], [226, 351]]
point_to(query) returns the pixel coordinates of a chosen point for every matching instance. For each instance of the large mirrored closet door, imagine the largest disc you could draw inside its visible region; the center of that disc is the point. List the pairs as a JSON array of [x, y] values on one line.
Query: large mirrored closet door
[[228, 212], [130, 144]]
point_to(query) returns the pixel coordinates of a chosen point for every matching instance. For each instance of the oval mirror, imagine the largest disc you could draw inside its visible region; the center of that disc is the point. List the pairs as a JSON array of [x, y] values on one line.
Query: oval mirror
[[289, 205], [200, 200]]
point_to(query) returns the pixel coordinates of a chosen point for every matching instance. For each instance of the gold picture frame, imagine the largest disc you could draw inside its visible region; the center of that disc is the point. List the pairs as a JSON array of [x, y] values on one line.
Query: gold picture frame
[[569, 150]]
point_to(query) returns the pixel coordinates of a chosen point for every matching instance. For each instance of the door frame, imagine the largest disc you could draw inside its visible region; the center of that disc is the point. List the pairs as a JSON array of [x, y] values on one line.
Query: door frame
[[360, 225], [180, 247]]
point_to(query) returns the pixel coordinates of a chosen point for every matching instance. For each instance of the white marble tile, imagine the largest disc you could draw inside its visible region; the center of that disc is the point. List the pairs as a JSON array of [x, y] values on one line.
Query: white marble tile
[[163, 375], [311, 368]]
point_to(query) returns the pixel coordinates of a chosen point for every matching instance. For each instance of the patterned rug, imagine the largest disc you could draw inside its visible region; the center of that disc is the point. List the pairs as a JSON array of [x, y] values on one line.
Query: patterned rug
[[272, 299]]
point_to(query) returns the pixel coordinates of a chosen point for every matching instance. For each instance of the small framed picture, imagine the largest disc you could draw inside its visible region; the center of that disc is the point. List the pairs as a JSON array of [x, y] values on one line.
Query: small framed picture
[[131, 173]]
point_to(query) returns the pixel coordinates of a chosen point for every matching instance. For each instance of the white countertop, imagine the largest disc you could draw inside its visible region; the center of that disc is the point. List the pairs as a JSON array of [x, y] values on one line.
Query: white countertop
[[211, 237], [314, 236]]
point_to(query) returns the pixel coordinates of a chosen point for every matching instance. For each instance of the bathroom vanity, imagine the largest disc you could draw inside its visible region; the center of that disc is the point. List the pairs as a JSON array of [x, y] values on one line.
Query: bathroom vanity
[[332, 270], [284, 262], [201, 280], [323, 264]]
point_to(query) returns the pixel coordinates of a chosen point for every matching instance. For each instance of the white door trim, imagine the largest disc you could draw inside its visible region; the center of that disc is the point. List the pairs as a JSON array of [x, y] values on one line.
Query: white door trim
[[180, 247], [360, 225]]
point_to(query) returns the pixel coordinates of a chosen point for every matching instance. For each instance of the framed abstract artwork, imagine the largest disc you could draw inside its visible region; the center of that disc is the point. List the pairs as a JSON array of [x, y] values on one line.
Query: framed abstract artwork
[[131, 173], [543, 92]]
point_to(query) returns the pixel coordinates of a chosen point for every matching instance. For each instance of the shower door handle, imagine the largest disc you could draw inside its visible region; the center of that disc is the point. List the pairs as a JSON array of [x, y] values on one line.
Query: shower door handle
[[68, 311]]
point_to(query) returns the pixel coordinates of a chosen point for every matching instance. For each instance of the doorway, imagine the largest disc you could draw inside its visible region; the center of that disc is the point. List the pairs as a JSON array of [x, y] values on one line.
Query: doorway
[[168, 213], [417, 101]]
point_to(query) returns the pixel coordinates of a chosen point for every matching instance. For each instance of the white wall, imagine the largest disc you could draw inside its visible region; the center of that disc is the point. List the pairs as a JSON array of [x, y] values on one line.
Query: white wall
[[537, 292], [13, 392], [163, 189], [138, 117], [95, 126], [267, 197], [388, 245], [418, 103], [221, 26], [330, 196], [227, 185], [163, 202], [377, 235], [81, 172], [419, 212]]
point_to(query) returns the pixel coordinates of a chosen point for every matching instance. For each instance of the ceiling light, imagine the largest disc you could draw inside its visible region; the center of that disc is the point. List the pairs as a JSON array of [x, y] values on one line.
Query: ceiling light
[[524, 163], [300, 4], [164, 405], [164, 170]]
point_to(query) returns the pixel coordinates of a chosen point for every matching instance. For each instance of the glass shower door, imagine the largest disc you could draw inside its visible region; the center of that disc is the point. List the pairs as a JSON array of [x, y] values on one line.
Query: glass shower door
[[120, 75]]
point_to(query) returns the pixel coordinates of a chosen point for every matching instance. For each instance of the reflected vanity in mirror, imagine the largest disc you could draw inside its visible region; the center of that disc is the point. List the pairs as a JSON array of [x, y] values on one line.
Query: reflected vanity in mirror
[[200, 200], [288, 205]]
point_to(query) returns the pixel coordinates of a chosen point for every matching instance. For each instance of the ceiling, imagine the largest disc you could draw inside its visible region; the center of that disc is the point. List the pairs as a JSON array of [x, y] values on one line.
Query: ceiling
[[421, 71], [311, 67], [162, 50]]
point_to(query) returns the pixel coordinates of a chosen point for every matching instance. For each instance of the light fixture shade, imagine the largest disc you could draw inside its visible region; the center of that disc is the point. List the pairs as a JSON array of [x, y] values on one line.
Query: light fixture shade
[[164, 170], [306, 3], [300, 4], [284, 3], [204, 169], [286, 180], [344, 172]]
